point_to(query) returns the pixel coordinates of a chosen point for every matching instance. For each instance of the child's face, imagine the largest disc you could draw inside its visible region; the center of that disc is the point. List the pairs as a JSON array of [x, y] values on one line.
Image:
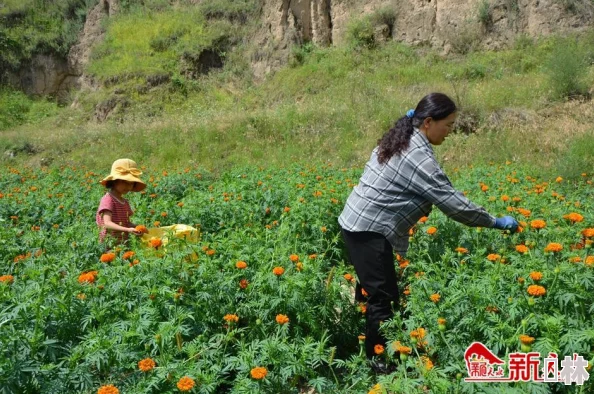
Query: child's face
[[122, 186]]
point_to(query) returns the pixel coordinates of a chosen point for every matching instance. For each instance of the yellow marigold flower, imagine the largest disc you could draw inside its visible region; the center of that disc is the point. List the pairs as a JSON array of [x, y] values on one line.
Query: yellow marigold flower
[[536, 290], [241, 265], [108, 389], [536, 276], [553, 247], [574, 217], [8, 279], [278, 271], [107, 257], [377, 389], [435, 298], [294, 258], [258, 373], [588, 233], [146, 365], [426, 362], [538, 224], [493, 257], [589, 260], [403, 349], [185, 384], [526, 340], [231, 318], [419, 333], [558, 179], [521, 248], [361, 337], [282, 319], [378, 349], [431, 230], [441, 320]]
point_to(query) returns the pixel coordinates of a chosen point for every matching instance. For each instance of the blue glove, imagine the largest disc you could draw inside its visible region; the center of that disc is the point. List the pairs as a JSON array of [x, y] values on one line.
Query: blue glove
[[506, 223]]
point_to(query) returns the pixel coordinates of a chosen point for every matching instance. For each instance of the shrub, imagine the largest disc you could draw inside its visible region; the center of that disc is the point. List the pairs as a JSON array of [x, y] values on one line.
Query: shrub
[[567, 67], [360, 33]]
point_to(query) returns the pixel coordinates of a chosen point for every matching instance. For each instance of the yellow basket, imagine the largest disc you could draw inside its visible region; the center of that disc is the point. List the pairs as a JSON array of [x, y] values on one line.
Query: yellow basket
[[181, 231]]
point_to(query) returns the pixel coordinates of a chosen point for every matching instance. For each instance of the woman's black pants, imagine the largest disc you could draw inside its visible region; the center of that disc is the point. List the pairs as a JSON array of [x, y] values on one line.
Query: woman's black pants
[[373, 258]]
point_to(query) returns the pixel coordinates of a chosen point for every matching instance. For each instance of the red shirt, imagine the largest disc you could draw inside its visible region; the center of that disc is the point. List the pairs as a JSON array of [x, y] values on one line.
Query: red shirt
[[120, 214]]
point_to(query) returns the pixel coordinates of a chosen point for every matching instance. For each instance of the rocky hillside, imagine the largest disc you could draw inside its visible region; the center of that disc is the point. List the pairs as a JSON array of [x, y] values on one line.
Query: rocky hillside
[[276, 27]]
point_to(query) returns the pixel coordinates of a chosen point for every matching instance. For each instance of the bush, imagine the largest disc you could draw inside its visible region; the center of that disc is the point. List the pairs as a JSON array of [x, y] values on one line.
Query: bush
[[577, 159], [484, 13], [360, 33], [567, 67]]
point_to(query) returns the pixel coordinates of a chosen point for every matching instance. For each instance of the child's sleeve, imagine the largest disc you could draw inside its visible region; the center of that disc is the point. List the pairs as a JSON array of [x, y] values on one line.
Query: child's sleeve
[[106, 204]]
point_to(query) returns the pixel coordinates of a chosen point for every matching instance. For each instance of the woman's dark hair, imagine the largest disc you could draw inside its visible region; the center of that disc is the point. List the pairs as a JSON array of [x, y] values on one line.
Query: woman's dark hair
[[436, 106]]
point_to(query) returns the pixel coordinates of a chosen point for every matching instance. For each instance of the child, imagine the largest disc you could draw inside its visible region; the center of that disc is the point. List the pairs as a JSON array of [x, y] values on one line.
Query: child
[[113, 214]]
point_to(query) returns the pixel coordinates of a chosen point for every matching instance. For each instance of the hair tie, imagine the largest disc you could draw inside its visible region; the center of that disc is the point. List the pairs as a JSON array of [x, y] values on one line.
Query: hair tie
[[410, 113]]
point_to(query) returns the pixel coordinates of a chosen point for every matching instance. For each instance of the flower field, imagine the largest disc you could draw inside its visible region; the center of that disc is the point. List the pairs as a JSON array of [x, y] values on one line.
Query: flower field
[[263, 303]]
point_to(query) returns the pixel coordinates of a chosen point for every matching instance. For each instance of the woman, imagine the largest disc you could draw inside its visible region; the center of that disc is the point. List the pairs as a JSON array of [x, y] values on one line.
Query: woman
[[401, 182]]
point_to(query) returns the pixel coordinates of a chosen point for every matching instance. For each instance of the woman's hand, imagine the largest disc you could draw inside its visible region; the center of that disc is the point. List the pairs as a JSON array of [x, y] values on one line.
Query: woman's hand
[[506, 223]]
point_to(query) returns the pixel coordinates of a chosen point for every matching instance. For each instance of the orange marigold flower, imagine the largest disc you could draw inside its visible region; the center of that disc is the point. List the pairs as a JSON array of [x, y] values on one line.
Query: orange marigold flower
[[423, 219], [524, 212], [127, 255], [461, 250], [108, 389], [521, 248], [312, 256], [210, 252], [526, 340], [376, 389], [435, 297], [441, 320], [142, 228], [588, 233], [8, 279], [286, 209], [431, 230], [294, 258], [282, 319], [493, 257], [378, 349], [553, 247], [558, 179], [185, 384], [575, 259], [589, 260], [573, 217], [156, 242], [180, 204], [87, 277], [484, 188], [107, 257], [363, 308], [536, 276], [427, 362], [364, 292], [536, 290], [241, 265], [505, 198], [419, 333], [404, 264], [231, 318], [538, 224], [146, 365], [348, 277], [278, 271], [403, 349], [361, 338], [243, 283], [258, 373]]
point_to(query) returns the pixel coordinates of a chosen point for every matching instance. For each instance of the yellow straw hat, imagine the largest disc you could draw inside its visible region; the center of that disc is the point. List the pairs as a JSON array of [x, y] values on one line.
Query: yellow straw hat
[[126, 170]]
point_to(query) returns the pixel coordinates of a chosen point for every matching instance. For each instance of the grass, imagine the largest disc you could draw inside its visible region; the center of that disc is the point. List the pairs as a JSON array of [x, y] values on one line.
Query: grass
[[331, 105]]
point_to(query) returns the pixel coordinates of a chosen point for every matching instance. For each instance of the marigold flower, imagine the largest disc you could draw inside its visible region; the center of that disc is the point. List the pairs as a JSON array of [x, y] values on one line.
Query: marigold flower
[[108, 389], [286, 209], [241, 265], [403, 349], [521, 248], [107, 257], [361, 337], [278, 271], [493, 257], [558, 179], [538, 224], [146, 365], [376, 389], [423, 219], [492, 309], [8, 279], [536, 290], [553, 247], [524, 212], [435, 298], [87, 277], [575, 259], [299, 266], [378, 349], [574, 217], [363, 308], [142, 228], [81, 296], [431, 230], [427, 362], [461, 250], [127, 255], [589, 260], [185, 384], [588, 233], [364, 292], [404, 264], [258, 373], [312, 256], [484, 188], [441, 320], [526, 340], [282, 319], [180, 204], [348, 277], [419, 333], [156, 242], [294, 258], [536, 276], [243, 283], [231, 318]]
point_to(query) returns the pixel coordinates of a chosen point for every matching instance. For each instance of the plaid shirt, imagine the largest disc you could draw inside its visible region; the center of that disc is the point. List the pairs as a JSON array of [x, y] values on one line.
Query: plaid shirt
[[391, 197]]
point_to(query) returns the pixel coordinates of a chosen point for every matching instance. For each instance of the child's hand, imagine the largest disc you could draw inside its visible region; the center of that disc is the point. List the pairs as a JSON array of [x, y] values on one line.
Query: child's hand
[[135, 231], [142, 229]]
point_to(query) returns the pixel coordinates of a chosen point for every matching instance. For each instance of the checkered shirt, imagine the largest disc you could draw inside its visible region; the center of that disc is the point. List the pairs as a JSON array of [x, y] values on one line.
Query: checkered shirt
[[390, 198]]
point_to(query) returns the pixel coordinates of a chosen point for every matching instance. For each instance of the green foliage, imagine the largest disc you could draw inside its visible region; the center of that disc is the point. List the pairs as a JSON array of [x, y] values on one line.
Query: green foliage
[[567, 68], [577, 158], [16, 108], [484, 13], [360, 33], [384, 16]]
